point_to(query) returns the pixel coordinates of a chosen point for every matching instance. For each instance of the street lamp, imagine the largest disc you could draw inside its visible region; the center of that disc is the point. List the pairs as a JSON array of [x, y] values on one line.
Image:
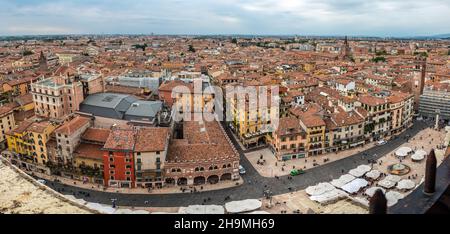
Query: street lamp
[[113, 200]]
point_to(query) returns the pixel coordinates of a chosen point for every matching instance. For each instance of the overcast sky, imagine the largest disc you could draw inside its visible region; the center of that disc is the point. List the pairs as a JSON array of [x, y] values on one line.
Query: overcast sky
[[301, 17]]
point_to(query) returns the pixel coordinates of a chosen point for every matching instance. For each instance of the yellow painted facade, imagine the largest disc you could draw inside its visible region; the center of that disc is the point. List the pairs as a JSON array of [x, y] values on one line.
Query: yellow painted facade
[[31, 140]]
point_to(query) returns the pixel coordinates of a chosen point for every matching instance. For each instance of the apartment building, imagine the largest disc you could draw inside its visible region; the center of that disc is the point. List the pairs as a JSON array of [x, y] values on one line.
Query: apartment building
[[29, 141], [57, 97], [118, 159], [7, 123], [289, 140], [68, 137], [401, 106], [150, 153], [435, 99], [379, 119], [249, 121], [344, 130]]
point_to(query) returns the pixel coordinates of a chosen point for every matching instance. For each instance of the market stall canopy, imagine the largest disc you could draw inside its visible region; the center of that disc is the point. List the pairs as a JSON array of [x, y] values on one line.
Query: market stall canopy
[[360, 170], [355, 185], [419, 155], [202, 209], [393, 178], [403, 151], [101, 208], [243, 206], [392, 197], [370, 191], [344, 179], [329, 197], [259, 212], [319, 189], [373, 174], [406, 184], [386, 184]]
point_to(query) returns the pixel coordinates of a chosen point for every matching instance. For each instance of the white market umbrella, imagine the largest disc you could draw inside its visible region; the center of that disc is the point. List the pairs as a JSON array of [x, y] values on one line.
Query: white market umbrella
[[393, 178], [419, 155], [386, 184], [330, 196], [344, 179], [243, 206], [355, 185], [403, 151], [360, 170], [406, 184], [319, 189], [373, 174], [371, 191], [392, 197]]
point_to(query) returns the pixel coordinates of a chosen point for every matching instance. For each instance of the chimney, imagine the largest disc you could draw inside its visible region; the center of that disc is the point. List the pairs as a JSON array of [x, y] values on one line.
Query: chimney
[[430, 174], [378, 203]]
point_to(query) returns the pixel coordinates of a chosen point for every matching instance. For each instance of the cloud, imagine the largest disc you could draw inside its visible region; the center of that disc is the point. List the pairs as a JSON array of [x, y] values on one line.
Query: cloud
[[329, 17], [39, 29]]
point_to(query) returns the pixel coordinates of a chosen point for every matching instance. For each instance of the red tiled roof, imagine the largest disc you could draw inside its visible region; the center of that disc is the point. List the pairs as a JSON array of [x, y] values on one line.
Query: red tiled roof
[[121, 139], [73, 125], [91, 151], [151, 139], [96, 134]]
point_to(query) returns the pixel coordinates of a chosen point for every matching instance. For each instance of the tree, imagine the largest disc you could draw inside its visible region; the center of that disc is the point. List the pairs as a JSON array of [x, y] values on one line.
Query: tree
[[383, 52], [27, 52], [234, 41], [191, 49], [379, 59]]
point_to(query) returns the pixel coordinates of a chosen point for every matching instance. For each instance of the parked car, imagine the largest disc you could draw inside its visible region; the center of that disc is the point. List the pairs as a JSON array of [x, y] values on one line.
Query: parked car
[[297, 172], [381, 142], [241, 170], [42, 181]]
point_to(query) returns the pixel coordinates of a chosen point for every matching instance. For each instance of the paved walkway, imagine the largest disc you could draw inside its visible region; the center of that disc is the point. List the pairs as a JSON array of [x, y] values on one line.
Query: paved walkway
[[139, 190], [254, 184]]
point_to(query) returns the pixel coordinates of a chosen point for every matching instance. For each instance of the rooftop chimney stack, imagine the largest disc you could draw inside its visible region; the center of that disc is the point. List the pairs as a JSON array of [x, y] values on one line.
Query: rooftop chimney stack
[[378, 203], [430, 174]]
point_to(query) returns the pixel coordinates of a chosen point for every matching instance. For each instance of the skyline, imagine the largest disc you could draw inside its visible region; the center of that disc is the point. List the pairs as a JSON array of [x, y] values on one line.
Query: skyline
[[388, 18]]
